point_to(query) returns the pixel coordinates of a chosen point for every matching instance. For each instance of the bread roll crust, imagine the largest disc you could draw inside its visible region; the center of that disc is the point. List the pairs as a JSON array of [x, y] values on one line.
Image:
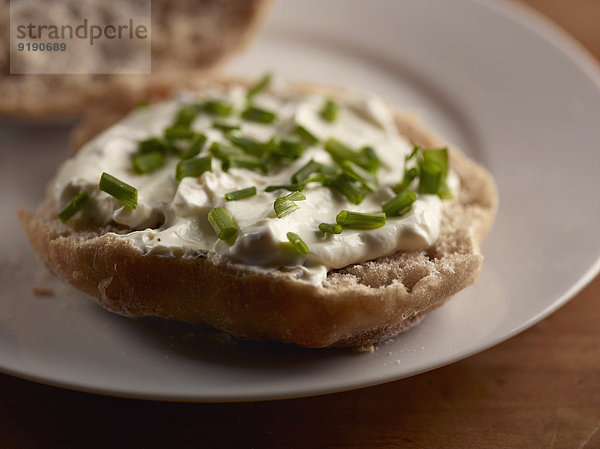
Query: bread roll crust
[[187, 36], [357, 305]]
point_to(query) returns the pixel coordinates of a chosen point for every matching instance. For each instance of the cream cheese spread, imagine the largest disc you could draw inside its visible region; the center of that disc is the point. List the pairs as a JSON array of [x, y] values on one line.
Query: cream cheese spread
[[171, 217]]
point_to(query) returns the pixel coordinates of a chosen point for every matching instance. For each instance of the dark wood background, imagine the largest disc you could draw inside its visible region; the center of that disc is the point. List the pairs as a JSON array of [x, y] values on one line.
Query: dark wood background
[[540, 389]]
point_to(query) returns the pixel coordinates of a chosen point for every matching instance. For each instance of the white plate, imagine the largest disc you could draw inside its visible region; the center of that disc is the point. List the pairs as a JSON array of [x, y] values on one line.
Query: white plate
[[509, 89]]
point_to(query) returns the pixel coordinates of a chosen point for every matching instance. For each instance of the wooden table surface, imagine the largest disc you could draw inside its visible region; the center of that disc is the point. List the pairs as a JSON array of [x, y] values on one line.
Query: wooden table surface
[[541, 389]]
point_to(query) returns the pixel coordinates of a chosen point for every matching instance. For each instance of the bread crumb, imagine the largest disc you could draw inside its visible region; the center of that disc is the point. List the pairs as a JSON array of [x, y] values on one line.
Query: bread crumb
[[397, 362], [365, 348], [42, 291]]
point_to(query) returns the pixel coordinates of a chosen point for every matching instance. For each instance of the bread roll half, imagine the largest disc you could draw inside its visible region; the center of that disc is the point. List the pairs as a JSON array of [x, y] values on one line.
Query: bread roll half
[[357, 305]]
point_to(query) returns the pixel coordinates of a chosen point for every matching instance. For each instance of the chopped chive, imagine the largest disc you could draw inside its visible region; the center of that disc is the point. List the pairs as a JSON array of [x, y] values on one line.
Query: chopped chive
[[306, 135], [312, 167], [224, 151], [254, 114], [225, 127], [125, 193], [185, 116], [260, 85], [412, 154], [400, 204], [319, 177], [290, 187], [195, 146], [340, 152], [440, 156], [409, 173], [295, 196], [143, 104], [444, 191], [329, 111], [370, 160], [178, 133], [430, 176], [365, 178], [327, 228], [288, 146], [348, 188], [75, 205], [297, 243], [285, 205], [192, 167], [222, 223], [232, 156], [216, 107], [433, 169], [409, 176], [308, 169], [360, 220], [247, 144], [147, 162], [240, 194], [152, 145]]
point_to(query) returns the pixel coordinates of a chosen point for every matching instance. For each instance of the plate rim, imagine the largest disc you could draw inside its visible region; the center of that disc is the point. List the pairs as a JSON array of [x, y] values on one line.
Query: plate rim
[[526, 16]]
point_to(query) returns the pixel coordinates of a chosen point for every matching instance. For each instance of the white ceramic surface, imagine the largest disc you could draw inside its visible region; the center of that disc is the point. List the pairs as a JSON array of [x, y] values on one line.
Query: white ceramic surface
[[508, 88]]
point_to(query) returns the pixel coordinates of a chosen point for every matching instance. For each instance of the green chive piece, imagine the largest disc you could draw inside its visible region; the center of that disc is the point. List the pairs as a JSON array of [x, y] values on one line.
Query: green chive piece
[[440, 156], [178, 133], [370, 161], [306, 135], [195, 146], [340, 152], [364, 177], [232, 156], [360, 220], [192, 167], [433, 169], [185, 116], [430, 176], [444, 191], [355, 194], [308, 169], [329, 111], [216, 107], [327, 228], [226, 127], [312, 167], [75, 205], [297, 243], [290, 187], [247, 144], [118, 189], [143, 104], [147, 162], [222, 223], [409, 176], [412, 154], [240, 194], [258, 115], [260, 85], [285, 205], [400, 204], [288, 146], [295, 196], [152, 145]]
